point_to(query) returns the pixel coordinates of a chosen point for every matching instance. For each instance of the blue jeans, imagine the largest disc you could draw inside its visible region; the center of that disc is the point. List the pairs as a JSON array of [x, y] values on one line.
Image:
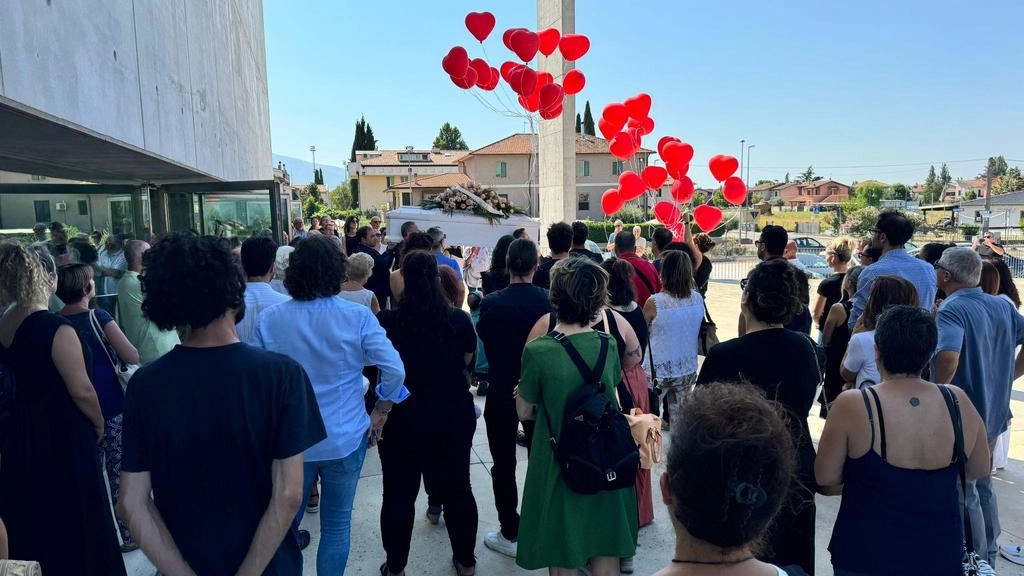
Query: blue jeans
[[984, 515], [338, 481]]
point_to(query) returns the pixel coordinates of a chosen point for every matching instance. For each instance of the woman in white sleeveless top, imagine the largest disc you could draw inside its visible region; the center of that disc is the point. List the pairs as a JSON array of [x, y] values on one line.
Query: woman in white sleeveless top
[[674, 316], [358, 271]]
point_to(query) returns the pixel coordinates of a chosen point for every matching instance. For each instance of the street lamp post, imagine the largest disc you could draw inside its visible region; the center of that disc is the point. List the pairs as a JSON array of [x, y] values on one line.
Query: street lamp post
[[313, 150], [743, 231]]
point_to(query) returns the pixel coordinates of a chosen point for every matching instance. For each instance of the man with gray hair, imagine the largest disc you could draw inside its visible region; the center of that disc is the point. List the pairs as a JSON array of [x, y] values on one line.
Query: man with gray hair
[[978, 337], [148, 339], [437, 235]]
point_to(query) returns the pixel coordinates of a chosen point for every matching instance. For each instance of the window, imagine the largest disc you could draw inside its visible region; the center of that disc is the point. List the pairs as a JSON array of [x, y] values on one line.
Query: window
[[83, 207], [617, 167], [403, 179], [583, 201], [388, 180], [42, 208], [501, 170], [583, 168], [406, 198], [37, 177]]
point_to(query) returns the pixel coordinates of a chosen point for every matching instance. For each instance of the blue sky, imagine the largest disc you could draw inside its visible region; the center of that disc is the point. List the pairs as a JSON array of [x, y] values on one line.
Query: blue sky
[[865, 89]]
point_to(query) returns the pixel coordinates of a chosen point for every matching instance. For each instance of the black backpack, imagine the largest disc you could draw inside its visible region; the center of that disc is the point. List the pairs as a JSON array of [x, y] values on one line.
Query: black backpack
[[595, 450]]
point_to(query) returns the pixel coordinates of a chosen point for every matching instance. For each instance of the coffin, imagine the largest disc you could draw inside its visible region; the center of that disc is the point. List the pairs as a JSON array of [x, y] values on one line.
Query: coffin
[[460, 228]]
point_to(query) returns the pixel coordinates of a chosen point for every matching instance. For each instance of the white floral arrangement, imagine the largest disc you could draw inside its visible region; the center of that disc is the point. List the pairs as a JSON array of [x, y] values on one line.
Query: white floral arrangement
[[480, 202]]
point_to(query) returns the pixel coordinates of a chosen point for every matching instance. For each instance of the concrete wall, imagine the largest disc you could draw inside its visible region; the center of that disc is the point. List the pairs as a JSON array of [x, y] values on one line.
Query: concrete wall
[[181, 79]]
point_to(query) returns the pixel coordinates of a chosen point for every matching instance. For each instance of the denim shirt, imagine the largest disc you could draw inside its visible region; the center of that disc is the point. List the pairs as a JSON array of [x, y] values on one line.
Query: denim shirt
[[896, 263], [333, 340]]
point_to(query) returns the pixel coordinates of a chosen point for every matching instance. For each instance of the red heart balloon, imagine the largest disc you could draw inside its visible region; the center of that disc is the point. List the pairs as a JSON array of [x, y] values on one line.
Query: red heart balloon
[[506, 38], [667, 213], [523, 80], [483, 71], [677, 152], [544, 78], [480, 24], [606, 129], [635, 136], [573, 82], [525, 44], [654, 176], [646, 126], [621, 146], [682, 190], [638, 106], [723, 166], [707, 217], [734, 190], [631, 185], [677, 170], [551, 95], [507, 67], [467, 81], [491, 81], [665, 140], [611, 202], [616, 115], [456, 62], [677, 232], [530, 103], [551, 113], [573, 46], [549, 41]]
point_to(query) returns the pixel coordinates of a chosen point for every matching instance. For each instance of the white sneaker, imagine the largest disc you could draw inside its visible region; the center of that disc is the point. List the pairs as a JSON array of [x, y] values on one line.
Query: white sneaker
[[1012, 553], [495, 541]]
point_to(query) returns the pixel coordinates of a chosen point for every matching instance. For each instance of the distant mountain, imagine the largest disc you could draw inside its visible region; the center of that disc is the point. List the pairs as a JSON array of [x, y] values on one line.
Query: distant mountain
[[301, 171]]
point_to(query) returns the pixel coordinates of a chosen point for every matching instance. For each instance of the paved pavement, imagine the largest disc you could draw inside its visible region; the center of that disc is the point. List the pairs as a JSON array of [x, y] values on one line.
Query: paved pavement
[[431, 553]]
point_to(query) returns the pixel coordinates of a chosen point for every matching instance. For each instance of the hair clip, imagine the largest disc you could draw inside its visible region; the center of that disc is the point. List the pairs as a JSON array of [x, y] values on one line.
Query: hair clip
[[748, 494]]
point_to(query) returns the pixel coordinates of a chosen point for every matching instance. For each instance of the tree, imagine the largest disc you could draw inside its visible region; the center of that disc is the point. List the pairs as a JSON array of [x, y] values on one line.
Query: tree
[[871, 192], [970, 195], [760, 182], [996, 165], [340, 197], [449, 138], [932, 187], [1012, 181], [579, 124], [944, 176], [363, 140], [807, 175], [318, 176], [899, 192], [311, 203], [588, 121]]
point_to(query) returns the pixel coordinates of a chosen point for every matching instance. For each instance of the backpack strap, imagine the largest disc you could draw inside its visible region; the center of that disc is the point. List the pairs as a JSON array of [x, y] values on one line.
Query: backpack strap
[[646, 282], [953, 405], [581, 366]]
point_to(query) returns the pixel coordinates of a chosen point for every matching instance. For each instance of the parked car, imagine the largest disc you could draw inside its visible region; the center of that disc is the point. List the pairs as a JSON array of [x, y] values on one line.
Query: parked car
[[808, 245], [815, 265]]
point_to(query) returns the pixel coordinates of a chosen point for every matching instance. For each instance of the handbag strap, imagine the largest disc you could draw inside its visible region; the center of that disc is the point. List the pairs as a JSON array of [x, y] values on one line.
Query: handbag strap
[[953, 405], [94, 322], [581, 365]]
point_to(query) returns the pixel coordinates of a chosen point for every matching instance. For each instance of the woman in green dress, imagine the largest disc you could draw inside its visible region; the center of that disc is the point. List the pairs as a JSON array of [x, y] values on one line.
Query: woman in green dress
[[560, 529]]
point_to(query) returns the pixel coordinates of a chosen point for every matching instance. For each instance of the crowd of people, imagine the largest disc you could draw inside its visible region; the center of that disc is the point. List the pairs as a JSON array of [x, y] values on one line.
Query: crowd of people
[[267, 373]]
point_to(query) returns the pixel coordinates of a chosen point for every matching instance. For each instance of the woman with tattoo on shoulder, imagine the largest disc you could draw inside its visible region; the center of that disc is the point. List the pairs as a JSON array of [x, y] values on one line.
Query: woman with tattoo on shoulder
[[888, 448]]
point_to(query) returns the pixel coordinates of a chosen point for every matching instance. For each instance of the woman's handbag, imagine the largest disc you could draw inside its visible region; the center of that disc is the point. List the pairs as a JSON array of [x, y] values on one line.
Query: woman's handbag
[[123, 370], [708, 336], [973, 564], [19, 568], [646, 431]]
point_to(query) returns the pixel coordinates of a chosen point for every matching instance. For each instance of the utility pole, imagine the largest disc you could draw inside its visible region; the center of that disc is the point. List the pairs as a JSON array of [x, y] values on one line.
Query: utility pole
[[988, 197], [313, 150], [743, 224]]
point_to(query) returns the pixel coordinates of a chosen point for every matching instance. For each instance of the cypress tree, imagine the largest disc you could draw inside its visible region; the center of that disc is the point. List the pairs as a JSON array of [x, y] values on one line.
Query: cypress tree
[[588, 121]]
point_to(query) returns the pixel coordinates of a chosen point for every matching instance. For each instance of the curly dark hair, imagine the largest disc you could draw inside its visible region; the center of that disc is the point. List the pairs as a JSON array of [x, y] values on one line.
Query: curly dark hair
[[620, 281], [316, 269], [731, 462], [191, 280], [579, 290], [772, 292]]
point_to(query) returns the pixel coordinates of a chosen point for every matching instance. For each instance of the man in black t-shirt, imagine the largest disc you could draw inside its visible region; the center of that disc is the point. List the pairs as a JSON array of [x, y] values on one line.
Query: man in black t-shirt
[[214, 430], [559, 241], [506, 318], [380, 280], [580, 233], [772, 245]]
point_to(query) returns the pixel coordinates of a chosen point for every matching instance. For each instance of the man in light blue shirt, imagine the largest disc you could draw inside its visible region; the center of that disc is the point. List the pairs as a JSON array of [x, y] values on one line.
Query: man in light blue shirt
[[891, 232], [978, 338], [259, 261], [437, 235]]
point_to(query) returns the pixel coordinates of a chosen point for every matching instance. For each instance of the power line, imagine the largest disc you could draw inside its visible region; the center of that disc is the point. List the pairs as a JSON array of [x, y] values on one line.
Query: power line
[[858, 166]]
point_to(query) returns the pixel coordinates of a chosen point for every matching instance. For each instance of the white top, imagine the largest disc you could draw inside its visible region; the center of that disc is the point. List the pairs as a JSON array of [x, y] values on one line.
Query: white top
[[114, 260], [641, 243], [258, 297], [362, 296], [860, 358], [674, 334]]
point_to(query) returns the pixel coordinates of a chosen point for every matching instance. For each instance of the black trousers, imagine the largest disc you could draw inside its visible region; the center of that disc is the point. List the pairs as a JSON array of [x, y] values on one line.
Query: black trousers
[[502, 422], [428, 439]]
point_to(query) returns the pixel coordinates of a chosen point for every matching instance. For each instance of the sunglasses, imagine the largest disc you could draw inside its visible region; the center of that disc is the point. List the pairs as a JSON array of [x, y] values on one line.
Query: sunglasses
[[940, 267]]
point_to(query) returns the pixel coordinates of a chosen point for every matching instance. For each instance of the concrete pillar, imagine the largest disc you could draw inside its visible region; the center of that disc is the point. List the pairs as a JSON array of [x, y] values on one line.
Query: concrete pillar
[[557, 138]]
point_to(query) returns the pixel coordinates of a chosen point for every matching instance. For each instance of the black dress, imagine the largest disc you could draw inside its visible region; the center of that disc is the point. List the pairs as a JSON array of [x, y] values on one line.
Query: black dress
[[834, 353], [831, 289], [52, 495]]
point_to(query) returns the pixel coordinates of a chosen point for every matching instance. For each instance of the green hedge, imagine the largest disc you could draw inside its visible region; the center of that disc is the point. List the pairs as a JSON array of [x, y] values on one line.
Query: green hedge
[[599, 231]]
